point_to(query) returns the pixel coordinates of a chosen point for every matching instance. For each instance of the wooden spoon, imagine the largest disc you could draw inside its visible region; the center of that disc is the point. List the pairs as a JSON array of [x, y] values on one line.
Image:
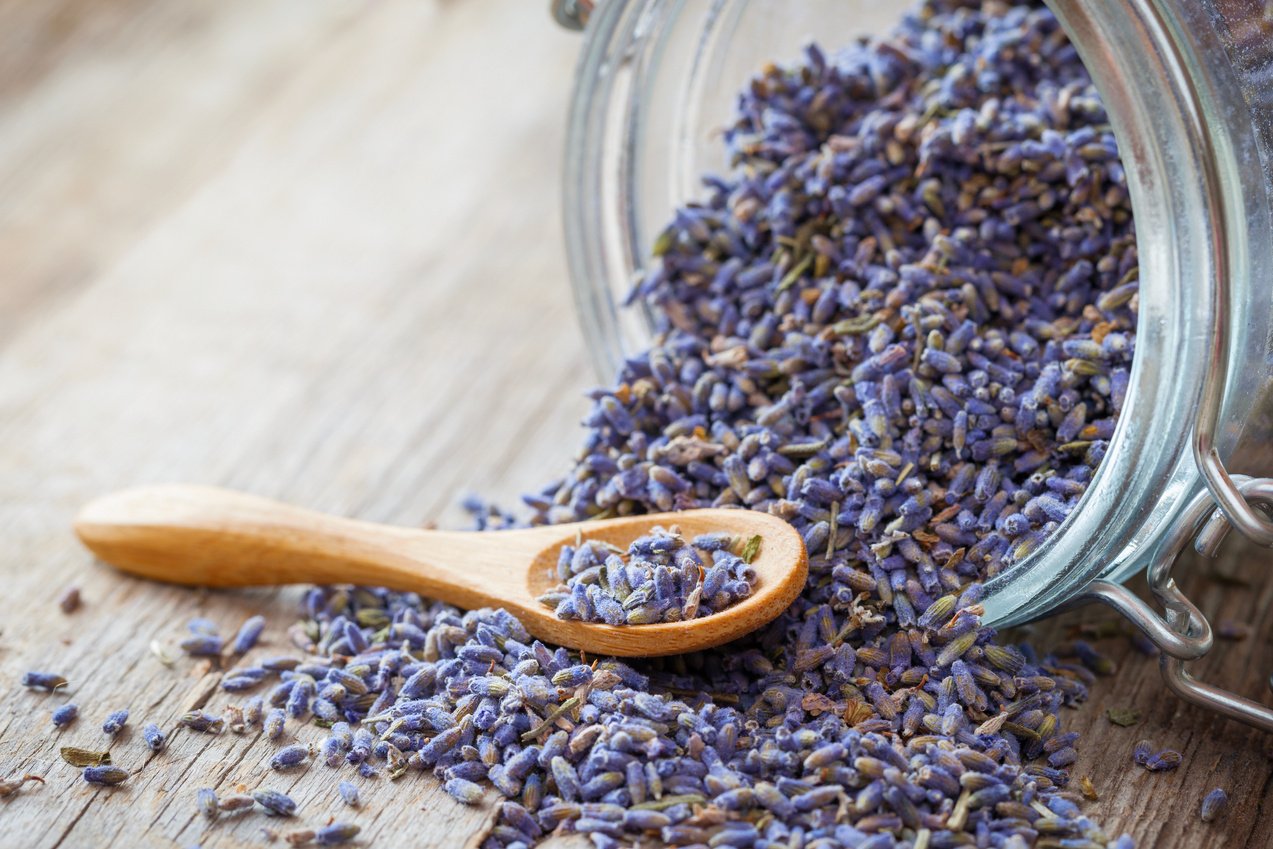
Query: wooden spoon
[[204, 536]]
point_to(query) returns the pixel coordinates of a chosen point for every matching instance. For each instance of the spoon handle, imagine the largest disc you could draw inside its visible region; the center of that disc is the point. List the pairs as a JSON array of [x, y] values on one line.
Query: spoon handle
[[206, 536]]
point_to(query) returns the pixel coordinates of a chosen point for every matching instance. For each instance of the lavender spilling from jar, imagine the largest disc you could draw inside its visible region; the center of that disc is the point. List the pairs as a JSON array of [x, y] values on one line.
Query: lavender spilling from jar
[[903, 321]]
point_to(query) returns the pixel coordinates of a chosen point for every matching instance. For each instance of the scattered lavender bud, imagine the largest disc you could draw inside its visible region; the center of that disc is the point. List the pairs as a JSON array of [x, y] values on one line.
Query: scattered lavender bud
[[275, 803], [201, 626], [1142, 752], [336, 834], [274, 721], [104, 774], [463, 791], [153, 736], [1213, 804], [199, 720], [43, 680], [1163, 761], [202, 645], [65, 714], [299, 837], [290, 756], [349, 793], [115, 722], [206, 800], [249, 633]]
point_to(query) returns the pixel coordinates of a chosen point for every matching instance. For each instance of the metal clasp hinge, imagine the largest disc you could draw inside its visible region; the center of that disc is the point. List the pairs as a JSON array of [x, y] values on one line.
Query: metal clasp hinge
[[1182, 633]]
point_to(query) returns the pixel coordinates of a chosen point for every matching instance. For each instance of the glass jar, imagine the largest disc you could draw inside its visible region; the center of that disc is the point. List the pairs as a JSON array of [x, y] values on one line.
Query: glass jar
[[1189, 88]]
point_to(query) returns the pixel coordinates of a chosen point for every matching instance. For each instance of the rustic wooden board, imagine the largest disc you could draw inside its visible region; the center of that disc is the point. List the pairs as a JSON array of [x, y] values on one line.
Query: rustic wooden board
[[310, 249]]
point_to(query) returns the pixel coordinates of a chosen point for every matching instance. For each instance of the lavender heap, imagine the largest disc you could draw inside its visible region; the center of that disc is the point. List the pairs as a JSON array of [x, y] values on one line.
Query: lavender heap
[[663, 579], [903, 322]]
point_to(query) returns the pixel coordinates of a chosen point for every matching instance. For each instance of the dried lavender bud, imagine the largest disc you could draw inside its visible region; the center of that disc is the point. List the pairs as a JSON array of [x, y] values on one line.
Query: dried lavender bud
[[299, 837], [1213, 804], [114, 722], [43, 681], [336, 834], [154, 737], [463, 791], [105, 774], [274, 721], [290, 756], [65, 714], [249, 633], [1163, 761], [202, 645], [69, 601], [199, 720], [349, 793], [275, 803], [206, 800], [1142, 752]]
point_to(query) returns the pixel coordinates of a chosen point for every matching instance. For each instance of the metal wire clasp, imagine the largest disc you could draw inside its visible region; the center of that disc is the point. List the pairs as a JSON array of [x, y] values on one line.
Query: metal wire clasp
[[1182, 633]]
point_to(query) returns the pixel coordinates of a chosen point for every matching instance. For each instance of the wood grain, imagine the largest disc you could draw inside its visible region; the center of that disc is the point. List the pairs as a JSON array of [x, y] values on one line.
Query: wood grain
[[310, 249], [205, 536]]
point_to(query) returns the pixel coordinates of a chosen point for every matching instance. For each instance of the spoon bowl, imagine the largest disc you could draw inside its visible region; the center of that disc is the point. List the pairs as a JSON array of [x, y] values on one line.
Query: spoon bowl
[[205, 536]]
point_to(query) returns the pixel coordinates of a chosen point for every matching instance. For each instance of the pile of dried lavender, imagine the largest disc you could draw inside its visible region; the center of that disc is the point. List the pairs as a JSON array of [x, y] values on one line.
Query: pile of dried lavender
[[663, 579], [903, 322]]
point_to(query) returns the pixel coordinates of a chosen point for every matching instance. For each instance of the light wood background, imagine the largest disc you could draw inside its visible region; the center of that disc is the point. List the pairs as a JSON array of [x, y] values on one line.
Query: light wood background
[[311, 249]]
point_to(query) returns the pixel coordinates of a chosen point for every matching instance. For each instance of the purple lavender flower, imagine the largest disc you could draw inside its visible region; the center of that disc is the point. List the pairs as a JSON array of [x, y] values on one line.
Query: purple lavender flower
[[154, 737], [43, 680], [349, 793], [275, 803], [202, 645], [249, 632], [105, 774], [65, 714], [1213, 804], [336, 833], [290, 756], [206, 801], [114, 722]]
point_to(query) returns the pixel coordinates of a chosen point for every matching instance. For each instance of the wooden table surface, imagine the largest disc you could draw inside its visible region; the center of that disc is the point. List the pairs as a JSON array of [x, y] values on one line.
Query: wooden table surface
[[311, 249]]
